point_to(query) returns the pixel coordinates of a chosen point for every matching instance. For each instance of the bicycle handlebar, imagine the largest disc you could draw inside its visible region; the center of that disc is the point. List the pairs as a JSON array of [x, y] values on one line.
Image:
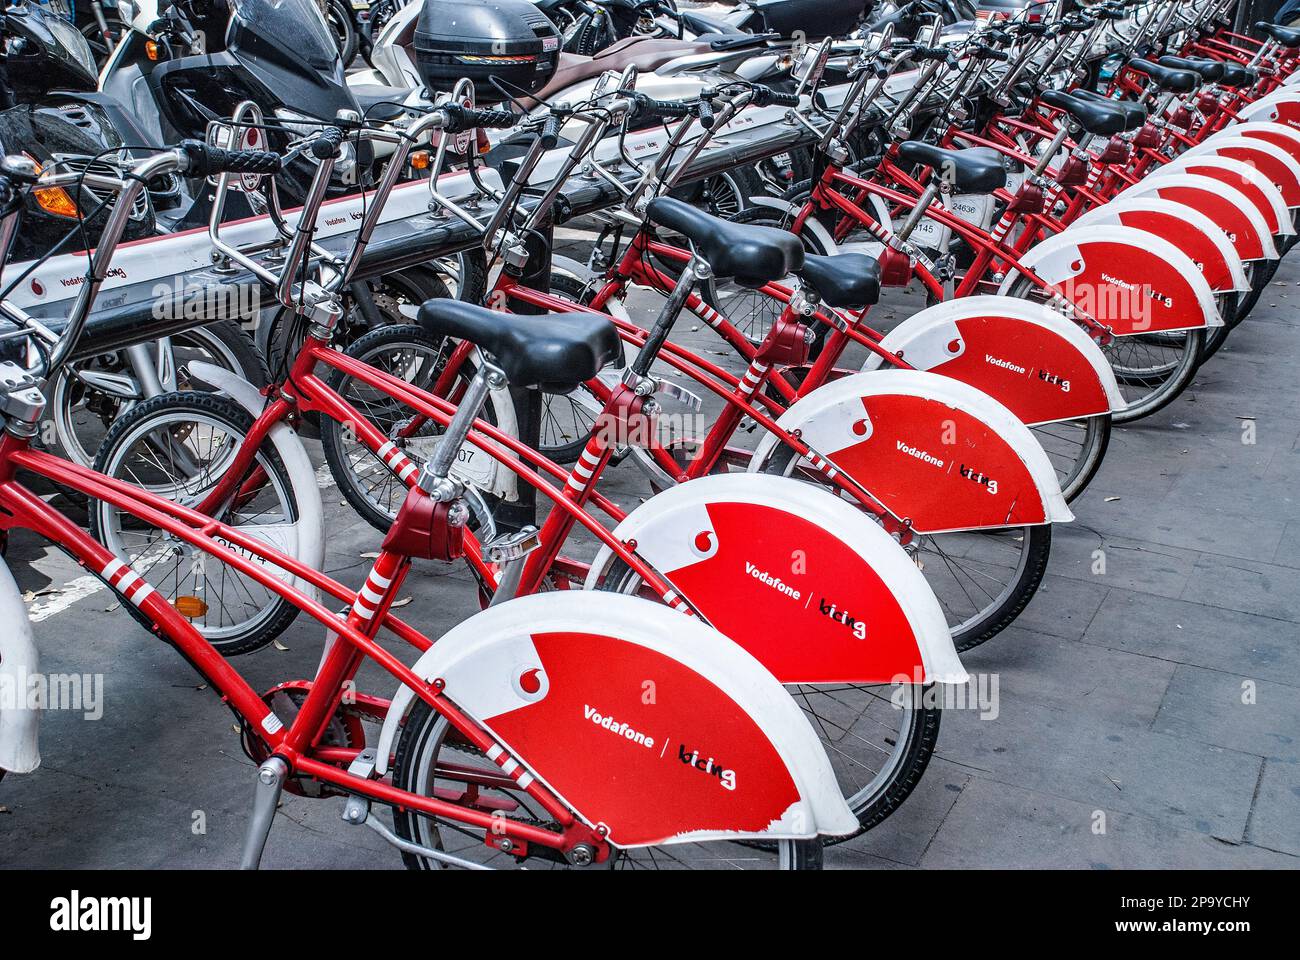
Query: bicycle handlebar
[[203, 160], [460, 118], [325, 145]]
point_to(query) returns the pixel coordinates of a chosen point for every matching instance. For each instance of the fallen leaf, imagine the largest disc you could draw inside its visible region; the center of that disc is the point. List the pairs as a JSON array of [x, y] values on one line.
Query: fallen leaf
[[403, 602], [278, 645], [1111, 499], [370, 555]]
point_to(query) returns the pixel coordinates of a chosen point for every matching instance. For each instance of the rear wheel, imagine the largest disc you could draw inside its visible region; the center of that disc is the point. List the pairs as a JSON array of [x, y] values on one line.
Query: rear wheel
[[1076, 449], [878, 737], [431, 759], [982, 579], [1152, 369]]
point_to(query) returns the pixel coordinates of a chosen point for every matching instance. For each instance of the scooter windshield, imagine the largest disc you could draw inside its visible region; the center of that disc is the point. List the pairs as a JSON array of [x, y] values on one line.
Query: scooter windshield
[[295, 25]]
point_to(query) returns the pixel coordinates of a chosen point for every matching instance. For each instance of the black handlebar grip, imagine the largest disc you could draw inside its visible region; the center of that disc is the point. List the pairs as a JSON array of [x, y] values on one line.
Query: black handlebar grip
[[705, 112], [988, 53], [550, 134], [664, 109], [461, 118], [765, 96], [206, 161], [326, 144]]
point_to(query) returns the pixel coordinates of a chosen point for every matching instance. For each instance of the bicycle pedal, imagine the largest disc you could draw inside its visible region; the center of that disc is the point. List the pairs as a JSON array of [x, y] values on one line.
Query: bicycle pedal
[[509, 547]]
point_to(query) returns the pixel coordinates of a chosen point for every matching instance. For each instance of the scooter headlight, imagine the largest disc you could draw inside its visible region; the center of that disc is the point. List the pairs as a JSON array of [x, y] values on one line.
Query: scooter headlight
[[346, 164]]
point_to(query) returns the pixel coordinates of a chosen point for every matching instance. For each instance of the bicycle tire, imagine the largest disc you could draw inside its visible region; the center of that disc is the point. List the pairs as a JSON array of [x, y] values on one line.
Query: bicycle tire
[[237, 422]]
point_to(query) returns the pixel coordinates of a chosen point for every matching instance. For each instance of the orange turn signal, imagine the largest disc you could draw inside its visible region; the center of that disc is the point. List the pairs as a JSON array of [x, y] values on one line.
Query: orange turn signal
[[55, 200]]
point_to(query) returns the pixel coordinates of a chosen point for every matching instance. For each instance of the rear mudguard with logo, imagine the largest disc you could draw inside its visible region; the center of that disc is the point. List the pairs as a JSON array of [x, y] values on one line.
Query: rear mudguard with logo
[[1279, 134], [1275, 163], [1230, 209], [1131, 281], [1185, 227], [932, 450], [19, 661], [640, 718], [304, 539], [1280, 106], [805, 582], [1243, 177], [1039, 365]]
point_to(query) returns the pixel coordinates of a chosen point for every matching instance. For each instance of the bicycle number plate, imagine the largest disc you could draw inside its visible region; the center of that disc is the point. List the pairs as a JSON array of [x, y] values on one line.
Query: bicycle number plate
[[972, 208], [472, 465]]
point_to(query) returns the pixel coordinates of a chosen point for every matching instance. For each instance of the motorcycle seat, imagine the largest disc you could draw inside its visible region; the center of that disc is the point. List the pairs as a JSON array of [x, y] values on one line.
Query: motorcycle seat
[[1135, 113], [751, 255], [645, 53], [1286, 36], [698, 24], [1211, 71], [555, 352], [969, 170], [1175, 81], [1093, 117], [379, 102], [844, 280]]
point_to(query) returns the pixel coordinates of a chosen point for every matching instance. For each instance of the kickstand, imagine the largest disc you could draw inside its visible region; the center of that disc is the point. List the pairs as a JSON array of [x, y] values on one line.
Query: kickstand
[[266, 797]]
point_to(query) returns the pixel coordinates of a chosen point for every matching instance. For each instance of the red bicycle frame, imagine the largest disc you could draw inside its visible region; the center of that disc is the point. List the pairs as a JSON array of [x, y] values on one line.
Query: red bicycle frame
[[298, 744]]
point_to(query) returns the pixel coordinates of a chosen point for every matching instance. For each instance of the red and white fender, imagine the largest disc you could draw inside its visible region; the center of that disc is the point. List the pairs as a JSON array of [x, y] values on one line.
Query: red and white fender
[[1230, 209], [803, 580], [1039, 365], [594, 692], [1279, 134], [1277, 164], [1243, 177], [19, 661], [1280, 106], [929, 448], [1185, 227], [1129, 280]]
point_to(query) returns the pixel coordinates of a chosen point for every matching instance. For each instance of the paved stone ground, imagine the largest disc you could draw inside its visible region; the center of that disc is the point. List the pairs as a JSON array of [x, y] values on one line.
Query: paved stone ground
[[1121, 695]]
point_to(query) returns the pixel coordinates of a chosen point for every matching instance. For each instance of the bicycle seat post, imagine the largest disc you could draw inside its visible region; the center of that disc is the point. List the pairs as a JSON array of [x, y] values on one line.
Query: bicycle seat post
[[435, 475], [695, 270]]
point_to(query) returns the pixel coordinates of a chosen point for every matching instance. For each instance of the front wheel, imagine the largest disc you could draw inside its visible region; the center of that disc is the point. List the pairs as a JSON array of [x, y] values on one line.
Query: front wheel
[[177, 446], [433, 760], [91, 394], [338, 16], [365, 479]]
